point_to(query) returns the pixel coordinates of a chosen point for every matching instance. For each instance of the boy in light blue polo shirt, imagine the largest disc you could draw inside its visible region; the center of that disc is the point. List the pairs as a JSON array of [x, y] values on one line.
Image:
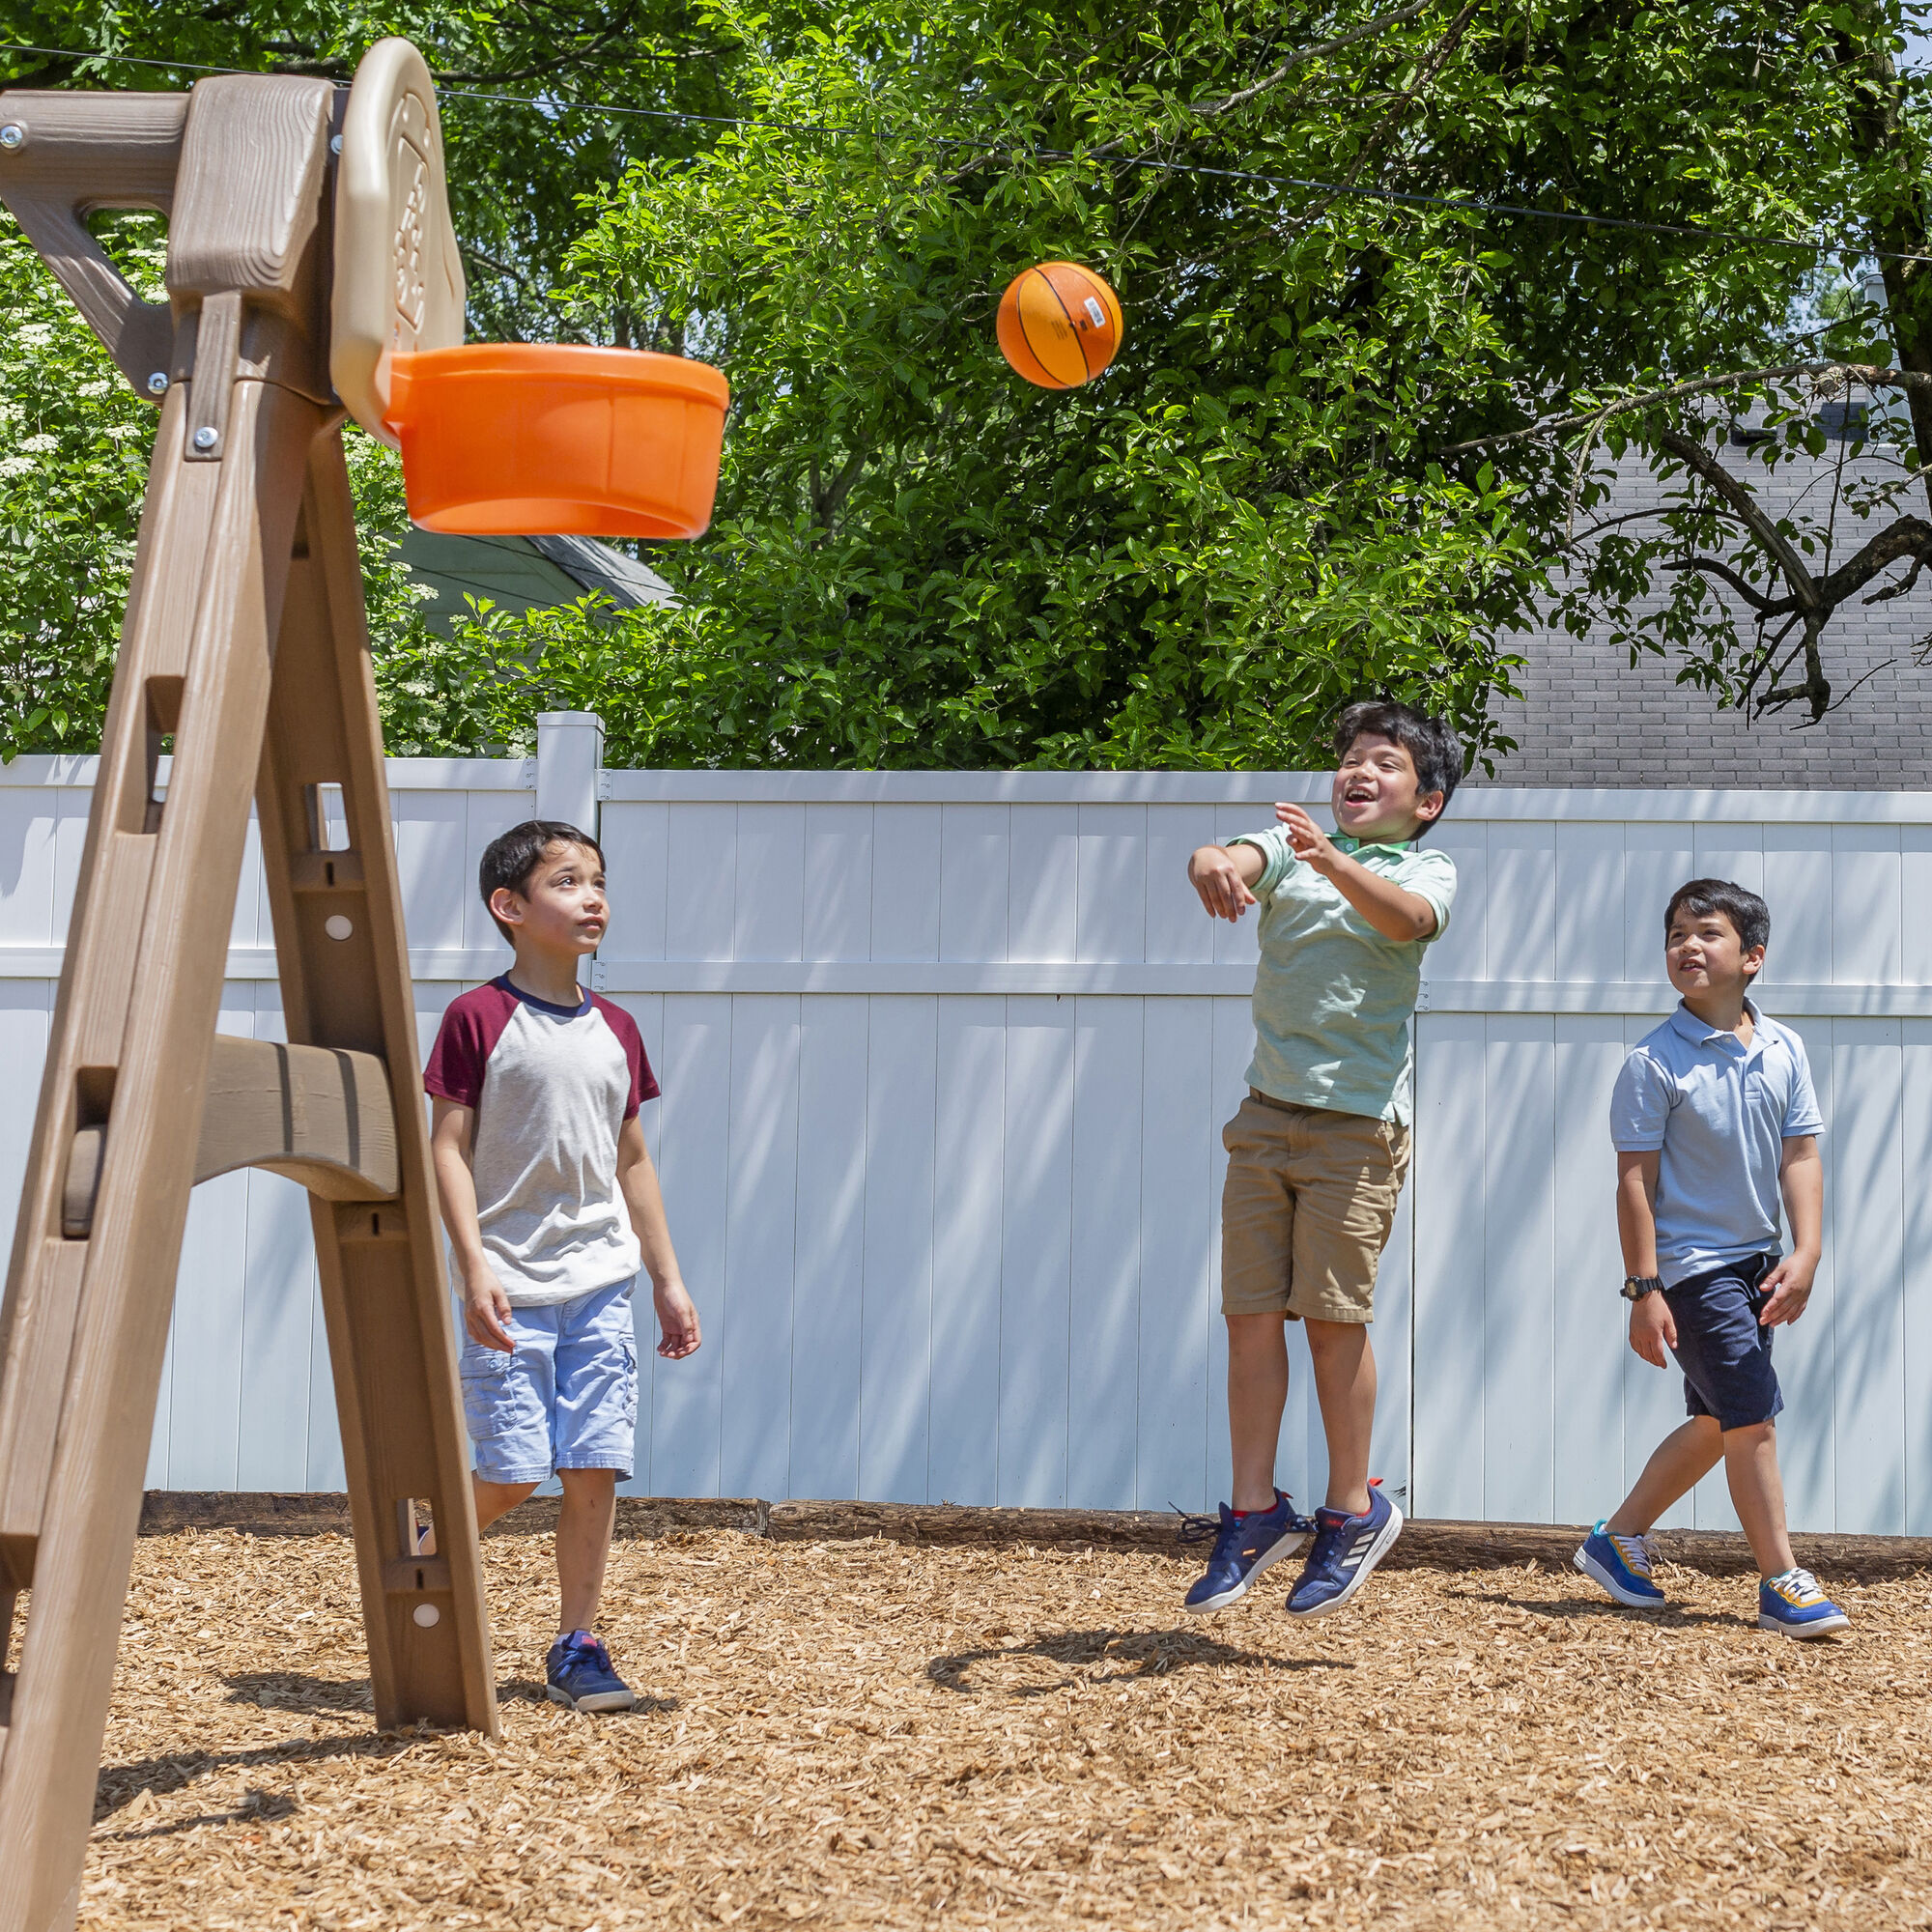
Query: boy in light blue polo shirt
[[1713, 1117]]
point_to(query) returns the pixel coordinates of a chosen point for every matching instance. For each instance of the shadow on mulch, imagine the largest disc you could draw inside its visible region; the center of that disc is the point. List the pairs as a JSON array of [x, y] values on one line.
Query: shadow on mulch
[[289, 1690], [1148, 1652], [257, 1806], [1570, 1609], [121, 1785]]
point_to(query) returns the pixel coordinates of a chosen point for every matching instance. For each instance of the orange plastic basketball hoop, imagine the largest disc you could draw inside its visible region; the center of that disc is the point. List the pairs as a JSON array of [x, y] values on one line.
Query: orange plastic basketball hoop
[[509, 439], [505, 438]]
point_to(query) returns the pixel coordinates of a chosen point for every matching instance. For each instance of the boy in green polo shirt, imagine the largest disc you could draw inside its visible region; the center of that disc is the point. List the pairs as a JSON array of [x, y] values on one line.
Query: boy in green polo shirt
[[1318, 1152]]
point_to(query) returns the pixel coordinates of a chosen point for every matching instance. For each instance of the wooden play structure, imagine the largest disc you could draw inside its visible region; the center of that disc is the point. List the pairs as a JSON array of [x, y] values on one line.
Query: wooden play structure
[[310, 259]]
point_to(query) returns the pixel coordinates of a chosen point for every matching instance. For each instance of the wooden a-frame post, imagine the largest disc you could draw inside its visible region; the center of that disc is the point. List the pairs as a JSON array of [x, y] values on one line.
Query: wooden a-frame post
[[243, 643]]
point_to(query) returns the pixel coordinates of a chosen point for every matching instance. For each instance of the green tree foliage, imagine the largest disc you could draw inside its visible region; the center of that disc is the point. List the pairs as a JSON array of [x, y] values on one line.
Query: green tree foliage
[[1353, 438], [1638, 352], [921, 560], [73, 463], [74, 443]]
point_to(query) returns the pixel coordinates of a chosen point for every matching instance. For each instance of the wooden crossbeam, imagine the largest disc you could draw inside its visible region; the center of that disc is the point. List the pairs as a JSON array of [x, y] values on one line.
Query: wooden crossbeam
[[319, 1116]]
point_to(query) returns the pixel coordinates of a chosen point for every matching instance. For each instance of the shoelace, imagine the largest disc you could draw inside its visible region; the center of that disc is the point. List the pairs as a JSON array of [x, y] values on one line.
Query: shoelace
[[1639, 1551], [1211, 1530], [1330, 1538], [1799, 1589]]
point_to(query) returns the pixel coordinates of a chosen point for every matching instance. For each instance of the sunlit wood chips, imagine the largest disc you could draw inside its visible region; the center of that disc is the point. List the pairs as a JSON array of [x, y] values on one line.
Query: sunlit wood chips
[[863, 1733]]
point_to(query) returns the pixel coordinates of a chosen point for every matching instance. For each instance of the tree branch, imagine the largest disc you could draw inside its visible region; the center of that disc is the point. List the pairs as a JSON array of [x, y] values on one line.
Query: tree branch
[[1207, 110], [1860, 372], [1909, 536], [827, 502], [1765, 607], [1386, 128], [1744, 501]]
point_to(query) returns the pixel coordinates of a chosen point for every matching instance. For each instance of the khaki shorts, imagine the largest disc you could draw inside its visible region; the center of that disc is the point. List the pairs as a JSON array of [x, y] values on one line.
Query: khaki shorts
[[1305, 1214]]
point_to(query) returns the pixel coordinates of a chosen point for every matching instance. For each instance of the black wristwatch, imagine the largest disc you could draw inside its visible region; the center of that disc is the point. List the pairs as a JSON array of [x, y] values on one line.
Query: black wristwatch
[[1637, 1286]]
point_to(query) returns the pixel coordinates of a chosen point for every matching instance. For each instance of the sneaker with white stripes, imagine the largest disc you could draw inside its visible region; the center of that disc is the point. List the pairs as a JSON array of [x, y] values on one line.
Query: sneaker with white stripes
[[1346, 1549]]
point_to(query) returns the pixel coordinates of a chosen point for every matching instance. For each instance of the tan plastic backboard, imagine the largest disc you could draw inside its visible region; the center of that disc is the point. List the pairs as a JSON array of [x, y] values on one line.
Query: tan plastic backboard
[[398, 273]]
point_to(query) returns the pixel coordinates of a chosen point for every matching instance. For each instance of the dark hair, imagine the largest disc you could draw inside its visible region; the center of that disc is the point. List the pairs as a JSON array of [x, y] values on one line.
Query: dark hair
[[511, 859], [1748, 915], [1430, 742]]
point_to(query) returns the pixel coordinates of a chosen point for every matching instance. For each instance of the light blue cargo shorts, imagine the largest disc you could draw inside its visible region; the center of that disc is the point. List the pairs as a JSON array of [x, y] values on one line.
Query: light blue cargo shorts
[[567, 1399]]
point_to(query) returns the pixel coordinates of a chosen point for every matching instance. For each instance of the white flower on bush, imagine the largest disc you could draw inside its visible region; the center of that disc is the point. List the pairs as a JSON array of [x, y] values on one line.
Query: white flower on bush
[[35, 335], [39, 445], [120, 432], [17, 466], [94, 389]]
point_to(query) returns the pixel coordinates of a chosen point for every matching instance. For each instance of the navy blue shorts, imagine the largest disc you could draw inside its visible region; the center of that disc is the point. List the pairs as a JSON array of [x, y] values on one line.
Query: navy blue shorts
[[1724, 1354]]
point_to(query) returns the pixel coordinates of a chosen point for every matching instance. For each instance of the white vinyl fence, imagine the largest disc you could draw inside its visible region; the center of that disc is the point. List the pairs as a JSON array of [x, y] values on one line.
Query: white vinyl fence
[[944, 1060]]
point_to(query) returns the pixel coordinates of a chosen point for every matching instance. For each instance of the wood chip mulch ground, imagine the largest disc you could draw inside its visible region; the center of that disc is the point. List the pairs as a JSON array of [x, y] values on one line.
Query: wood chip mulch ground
[[881, 1733]]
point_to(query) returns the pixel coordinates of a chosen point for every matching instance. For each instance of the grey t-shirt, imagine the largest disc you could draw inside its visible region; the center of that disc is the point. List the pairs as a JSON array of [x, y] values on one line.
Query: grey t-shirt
[[1333, 997], [552, 1088]]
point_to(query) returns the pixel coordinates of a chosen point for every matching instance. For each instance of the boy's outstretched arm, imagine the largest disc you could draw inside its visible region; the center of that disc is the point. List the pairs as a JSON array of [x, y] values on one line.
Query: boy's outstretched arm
[[485, 1305], [1393, 912], [677, 1319], [1225, 875], [1801, 1178], [1652, 1330]]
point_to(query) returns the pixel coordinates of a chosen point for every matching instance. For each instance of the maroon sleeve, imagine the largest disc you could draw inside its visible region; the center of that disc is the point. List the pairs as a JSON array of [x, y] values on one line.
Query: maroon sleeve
[[643, 1082], [472, 1024]]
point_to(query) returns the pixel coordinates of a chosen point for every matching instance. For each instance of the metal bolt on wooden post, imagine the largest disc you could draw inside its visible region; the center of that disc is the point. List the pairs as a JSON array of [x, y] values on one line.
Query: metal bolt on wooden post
[[245, 644]]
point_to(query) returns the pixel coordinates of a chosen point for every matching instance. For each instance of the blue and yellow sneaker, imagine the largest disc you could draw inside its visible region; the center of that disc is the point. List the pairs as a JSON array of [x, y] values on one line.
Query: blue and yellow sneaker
[[1244, 1545], [1793, 1605], [1622, 1566], [581, 1676], [1346, 1547]]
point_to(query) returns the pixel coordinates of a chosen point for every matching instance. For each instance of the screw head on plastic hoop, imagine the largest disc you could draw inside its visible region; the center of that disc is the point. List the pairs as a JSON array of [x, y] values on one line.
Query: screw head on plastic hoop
[[158, 383], [13, 135], [206, 438]]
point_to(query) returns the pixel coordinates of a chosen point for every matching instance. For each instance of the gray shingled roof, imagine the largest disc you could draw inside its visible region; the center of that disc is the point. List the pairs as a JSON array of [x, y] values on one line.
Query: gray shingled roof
[[518, 573], [1587, 717]]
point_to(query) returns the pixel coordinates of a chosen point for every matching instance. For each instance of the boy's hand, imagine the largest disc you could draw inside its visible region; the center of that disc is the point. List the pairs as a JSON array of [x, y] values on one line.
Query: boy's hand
[[1789, 1285], [677, 1320], [1311, 843], [1214, 873], [1652, 1329], [485, 1308]]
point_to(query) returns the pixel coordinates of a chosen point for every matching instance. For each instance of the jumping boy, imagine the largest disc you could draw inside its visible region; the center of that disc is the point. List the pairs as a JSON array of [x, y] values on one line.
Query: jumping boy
[[1712, 1117], [552, 1203], [1318, 1152]]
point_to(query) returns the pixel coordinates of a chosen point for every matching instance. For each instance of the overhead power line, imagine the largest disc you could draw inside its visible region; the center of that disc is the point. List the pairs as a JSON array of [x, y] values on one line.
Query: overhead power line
[[552, 105]]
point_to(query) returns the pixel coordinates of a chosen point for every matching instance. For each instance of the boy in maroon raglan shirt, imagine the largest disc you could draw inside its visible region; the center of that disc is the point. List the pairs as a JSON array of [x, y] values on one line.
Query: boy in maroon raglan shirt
[[551, 1204]]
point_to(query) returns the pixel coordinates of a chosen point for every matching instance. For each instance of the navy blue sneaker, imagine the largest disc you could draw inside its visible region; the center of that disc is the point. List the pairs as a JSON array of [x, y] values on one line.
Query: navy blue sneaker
[[1346, 1547], [1794, 1606], [1621, 1565], [1243, 1547], [580, 1677]]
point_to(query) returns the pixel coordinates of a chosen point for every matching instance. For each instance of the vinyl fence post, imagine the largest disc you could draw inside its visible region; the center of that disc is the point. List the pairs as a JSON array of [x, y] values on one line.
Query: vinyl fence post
[[570, 754]]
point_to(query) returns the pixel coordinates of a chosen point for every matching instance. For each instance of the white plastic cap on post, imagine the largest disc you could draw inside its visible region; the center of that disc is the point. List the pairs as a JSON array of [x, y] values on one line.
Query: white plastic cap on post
[[570, 754]]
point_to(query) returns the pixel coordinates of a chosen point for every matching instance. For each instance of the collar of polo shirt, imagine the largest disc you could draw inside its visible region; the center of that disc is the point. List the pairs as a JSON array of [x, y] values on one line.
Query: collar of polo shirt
[[1686, 1023]]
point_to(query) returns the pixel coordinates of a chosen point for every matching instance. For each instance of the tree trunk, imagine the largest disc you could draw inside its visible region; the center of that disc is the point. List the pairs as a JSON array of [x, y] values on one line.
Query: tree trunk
[[1893, 157]]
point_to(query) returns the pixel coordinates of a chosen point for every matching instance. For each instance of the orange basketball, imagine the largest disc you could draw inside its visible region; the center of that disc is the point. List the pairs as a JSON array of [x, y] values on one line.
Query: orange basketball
[[1059, 325]]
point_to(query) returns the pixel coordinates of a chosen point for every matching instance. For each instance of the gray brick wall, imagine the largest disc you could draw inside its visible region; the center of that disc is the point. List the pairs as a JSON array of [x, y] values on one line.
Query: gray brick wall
[[1588, 718]]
